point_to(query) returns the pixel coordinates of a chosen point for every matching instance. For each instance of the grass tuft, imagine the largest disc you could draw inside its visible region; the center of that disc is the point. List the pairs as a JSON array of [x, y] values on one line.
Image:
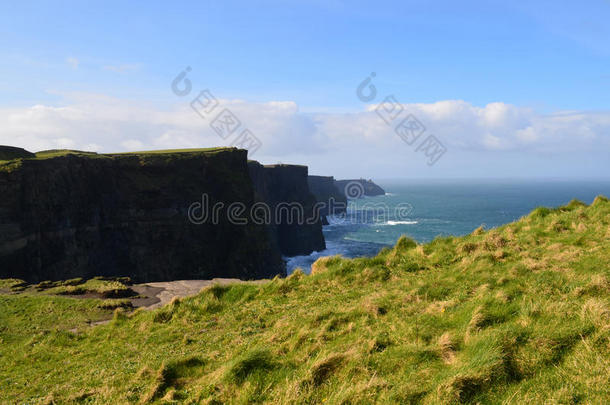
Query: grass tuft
[[479, 231], [448, 347], [600, 200], [324, 263], [253, 361], [322, 369], [404, 243]]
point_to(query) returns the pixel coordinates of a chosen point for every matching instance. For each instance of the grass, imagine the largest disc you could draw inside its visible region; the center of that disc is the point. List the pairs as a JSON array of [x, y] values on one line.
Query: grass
[[112, 287], [10, 153], [516, 314], [173, 151], [9, 165], [51, 153], [105, 288], [11, 283], [47, 154]]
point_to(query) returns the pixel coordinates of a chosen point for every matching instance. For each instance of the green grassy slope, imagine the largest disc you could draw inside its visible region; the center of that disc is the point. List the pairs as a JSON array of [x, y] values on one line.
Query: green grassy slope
[[9, 162], [517, 314], [47, 154]]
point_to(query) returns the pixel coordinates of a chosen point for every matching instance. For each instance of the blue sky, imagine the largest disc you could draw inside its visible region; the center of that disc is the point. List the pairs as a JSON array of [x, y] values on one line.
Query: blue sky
[[545, 56]]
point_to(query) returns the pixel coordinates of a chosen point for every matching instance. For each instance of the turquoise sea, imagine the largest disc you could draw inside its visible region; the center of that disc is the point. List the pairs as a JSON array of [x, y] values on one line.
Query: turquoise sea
[[429, 208]]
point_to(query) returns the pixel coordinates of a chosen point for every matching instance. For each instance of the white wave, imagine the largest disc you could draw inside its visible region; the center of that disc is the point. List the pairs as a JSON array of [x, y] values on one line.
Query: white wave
[[392, 223]]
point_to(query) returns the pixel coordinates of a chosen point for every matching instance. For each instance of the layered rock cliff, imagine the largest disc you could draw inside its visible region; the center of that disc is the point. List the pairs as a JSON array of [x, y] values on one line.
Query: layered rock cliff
[[295, 223], [359, 188], [79, 215], [331, 200]]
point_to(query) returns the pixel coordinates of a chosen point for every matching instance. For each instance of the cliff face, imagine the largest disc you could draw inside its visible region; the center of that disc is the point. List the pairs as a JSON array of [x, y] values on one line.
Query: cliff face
[[294, 226], [366, 188], [84, 216], [331, 200], [10, 153]]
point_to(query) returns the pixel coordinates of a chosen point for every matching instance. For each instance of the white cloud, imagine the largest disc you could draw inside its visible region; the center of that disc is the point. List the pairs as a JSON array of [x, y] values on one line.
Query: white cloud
[[132, 145], [327, 142], [508, 127]]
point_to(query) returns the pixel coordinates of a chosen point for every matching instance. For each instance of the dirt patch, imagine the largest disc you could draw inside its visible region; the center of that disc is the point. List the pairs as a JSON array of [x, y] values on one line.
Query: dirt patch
[[147, 295], [155, 295]]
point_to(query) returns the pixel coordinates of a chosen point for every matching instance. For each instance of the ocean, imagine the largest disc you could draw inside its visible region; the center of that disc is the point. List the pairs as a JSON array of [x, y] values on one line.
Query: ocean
[[425, 209]]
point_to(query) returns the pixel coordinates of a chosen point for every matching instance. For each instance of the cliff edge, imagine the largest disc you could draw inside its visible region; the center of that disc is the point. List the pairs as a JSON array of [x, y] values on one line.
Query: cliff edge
[[295, 224], [358, 188], [332, 200], [70, 214], [11, 152]]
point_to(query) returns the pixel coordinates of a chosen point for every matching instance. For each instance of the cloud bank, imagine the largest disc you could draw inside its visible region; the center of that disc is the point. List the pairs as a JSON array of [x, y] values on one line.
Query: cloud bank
[[494, 140]]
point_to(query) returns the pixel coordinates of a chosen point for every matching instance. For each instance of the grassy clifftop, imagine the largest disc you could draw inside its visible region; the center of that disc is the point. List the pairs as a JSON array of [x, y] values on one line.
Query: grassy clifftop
[[11, 152], [11, 157], [517, 314], [67, 214]]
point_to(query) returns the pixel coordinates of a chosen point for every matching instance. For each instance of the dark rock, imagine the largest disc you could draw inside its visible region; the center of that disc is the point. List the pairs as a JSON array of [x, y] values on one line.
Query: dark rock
[[331, 200], [127, 215], [365, 188], [11, 152], [297, 230]]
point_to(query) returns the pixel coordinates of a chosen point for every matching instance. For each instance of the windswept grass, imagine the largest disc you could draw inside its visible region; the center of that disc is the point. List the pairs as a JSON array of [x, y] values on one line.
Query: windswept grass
[[173, 151], [11, 283], [516, 314], [108, 288], [144, 157], [51, 153], [9, 163]]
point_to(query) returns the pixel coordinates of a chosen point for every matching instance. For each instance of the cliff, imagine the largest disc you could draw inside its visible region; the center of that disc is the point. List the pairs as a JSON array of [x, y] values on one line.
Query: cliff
[[359, 188], [294, 225], [330, 198], [10, 153], [84, 215]]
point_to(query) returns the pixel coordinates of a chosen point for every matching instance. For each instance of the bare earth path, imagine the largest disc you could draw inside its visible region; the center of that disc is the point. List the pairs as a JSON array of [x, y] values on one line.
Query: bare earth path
[[157, 294], [160, 293]]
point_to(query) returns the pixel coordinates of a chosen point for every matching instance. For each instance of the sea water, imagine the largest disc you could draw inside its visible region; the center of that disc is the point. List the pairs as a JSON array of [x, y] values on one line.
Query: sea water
[[440, 208]]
